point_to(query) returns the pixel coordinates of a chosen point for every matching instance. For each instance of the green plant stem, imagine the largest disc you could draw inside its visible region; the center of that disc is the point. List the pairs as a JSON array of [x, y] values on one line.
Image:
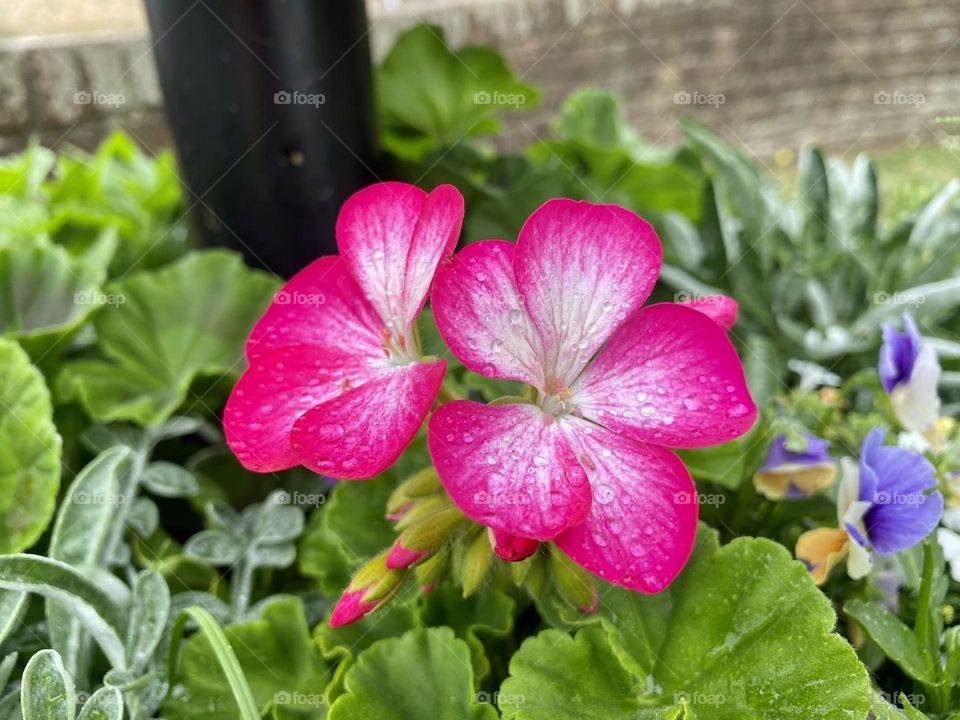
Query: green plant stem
[[242, 589], [922, 628], [224, 654]]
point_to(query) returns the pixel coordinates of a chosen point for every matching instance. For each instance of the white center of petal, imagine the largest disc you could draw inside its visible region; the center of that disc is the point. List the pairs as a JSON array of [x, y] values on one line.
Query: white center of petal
[[401, 349]]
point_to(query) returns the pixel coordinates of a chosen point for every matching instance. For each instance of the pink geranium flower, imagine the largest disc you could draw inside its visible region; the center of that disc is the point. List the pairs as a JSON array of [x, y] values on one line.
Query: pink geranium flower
[[336, 381], [587, 464]]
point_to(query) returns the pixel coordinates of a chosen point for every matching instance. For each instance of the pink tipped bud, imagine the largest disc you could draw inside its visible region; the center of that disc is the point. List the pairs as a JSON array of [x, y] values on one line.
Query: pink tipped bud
[[401, 557], [351, 608], [397, 515], [512, 548], [592, 608]]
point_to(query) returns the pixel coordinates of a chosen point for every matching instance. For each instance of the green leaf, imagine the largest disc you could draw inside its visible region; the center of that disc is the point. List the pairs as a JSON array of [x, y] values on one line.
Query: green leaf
[[167, 479], [157, 343], [425, 673], [932, 301], [897, 641], [46, 295], [119, 189], [23, 175], [216, 547], [431, 97], [276, 656], [47, 691], [149, 609], [611, 161], [6, 669], [814, 197], [81, 537], [92, 604], [556, 675], [29, 451], [483, 616], [741, 634], [726, 464], [930, 231], [764, 369], [909, 712], [739, 183], [880, 709], [12, 606], [105, 704]]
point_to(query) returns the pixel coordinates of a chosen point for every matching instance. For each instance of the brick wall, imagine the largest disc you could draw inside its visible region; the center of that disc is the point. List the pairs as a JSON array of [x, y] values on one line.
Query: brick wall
[[769, 73]]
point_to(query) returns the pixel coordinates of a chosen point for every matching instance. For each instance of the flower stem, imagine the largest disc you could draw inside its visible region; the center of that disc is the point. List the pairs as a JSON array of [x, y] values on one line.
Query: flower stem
[[922, 629]]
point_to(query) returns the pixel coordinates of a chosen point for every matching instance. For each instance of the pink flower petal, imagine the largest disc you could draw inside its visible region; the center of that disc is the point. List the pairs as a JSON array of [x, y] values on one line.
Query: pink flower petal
[[643, 520], [480, 314], [719, 308], [320, 305], [392, 236], [582, 268], [278, 388], [508, 467], [669, 376], [362, 432], [434, 239]]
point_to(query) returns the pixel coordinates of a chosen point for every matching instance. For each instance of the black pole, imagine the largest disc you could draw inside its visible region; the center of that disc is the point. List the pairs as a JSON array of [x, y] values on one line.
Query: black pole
[[271, 109]]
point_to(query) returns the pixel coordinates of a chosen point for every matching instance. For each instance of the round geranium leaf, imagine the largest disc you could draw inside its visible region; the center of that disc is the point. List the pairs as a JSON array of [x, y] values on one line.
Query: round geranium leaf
[[422, 674], [742, 634], [29, 451]]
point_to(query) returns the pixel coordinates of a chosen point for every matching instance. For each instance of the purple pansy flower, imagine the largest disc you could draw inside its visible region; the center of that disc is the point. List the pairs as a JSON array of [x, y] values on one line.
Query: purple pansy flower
[[896, 483], [910, 372], [899, 353], [886, 504], [795, 474]]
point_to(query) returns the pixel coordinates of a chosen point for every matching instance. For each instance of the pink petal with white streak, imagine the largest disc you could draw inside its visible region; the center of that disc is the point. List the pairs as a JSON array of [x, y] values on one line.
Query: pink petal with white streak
[[508, 467], [643, 521], [719, 308], [669, 376], [434, 239], [582, 268], [278, 388], [361, 433], [392, 236], [320, 305], [480, 314]]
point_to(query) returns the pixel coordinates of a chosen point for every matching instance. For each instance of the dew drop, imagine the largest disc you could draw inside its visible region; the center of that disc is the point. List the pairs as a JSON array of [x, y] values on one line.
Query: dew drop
[[738, 410], [604, 494], [330, 432]]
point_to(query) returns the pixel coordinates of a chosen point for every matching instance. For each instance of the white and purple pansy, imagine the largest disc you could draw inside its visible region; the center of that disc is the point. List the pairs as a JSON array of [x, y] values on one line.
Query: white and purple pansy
[[791, 474], [886, 503], [909, 371]]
